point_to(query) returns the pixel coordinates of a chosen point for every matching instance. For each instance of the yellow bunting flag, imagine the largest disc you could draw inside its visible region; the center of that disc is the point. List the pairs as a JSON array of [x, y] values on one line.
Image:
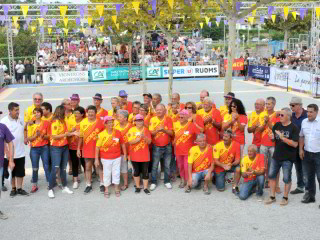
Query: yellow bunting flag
[[100, 9], [66, 30], [318, 12], [254, 13], [286, 12], [169, 25], [136, 6], [63, 10], [170, 3], [17, 26], [217, 23], [101, 28], [183, 18], [15, 19], [49, 30], [82, 30], [40, 21], [24, 9], [118, 25], [33, 29], [273, 17], [294, 14], [154, 27], [65, 20], [114, 19], [207, 20], [251, 19], [89, 21], [201, 25]]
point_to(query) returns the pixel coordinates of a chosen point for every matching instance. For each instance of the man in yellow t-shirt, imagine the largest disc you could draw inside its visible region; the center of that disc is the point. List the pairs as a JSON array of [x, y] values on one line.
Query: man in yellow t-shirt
[[135, 110], [252, 171], [203, 94]]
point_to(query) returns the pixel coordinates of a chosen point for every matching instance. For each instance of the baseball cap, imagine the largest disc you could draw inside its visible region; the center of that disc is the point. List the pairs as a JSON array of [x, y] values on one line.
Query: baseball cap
[[184, 112], [148, 95], [123, 93], [296, 100], [97, 96], [75, 96], [107, 118], [229, 95], [139, 117]]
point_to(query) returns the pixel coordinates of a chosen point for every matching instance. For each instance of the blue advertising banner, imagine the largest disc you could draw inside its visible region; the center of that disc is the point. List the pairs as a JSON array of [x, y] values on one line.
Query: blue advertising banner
[[113, 73], [260, 72]]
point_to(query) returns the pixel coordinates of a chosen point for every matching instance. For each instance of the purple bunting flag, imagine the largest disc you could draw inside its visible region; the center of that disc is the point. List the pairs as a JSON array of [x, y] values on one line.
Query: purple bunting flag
[[270, 10], [58, 31], [177, 26], [209, 24], [101, 20], [118, 8], [81, 10], [54, 22], [238, 6], [43, 10], [225, 22], [154, 6], [261, 19], [150, 12], [2, 18], [6, 9], [218, 19], [28, 20], [78, 22], [25, 26], [110, 28], [302, 13]]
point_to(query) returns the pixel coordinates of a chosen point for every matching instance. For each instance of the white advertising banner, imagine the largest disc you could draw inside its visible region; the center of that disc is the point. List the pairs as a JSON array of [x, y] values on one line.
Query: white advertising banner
[[65, 77], [296, 80], [192, 71]]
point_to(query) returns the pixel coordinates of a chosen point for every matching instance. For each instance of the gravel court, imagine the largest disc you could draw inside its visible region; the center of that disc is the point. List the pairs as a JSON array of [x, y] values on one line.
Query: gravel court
[[170, 214]]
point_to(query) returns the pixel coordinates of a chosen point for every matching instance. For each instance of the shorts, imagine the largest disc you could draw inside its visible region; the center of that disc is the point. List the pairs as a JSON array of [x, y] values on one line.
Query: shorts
[[198, 177], [19, 169], [140, 168], [124, 165], [220, 177], [286, 170]]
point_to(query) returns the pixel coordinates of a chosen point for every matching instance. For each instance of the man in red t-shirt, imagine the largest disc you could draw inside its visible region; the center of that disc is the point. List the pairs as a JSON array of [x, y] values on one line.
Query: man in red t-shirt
[[124, 103]]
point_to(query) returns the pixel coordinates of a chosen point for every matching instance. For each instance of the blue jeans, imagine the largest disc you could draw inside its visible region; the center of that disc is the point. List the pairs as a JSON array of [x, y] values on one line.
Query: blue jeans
[[157, 154], [154, 44], [198, 177], [59, 157], [173, 164], [246, 188], [311, 163], [286, 170], [220, 178], [35, 154]]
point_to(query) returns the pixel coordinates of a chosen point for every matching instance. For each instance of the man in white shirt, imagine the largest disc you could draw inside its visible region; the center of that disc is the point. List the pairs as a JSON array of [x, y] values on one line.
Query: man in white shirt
[[20, 69], [3, 67], [309, 151], [16, 127]]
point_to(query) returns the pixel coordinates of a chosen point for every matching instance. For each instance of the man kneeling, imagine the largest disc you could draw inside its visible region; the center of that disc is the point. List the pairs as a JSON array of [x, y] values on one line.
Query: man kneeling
[[200, 164], [252, 170]]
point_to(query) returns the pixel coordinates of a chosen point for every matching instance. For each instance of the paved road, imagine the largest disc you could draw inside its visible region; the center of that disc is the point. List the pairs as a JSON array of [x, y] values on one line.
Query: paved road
[[165, 214]]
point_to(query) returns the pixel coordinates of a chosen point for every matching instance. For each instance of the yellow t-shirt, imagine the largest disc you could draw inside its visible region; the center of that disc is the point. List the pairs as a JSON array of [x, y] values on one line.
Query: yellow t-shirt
[[130, 119], [200, 160], [49, 119], [224, 110], [58, 128], [256, 164], [28, 114]]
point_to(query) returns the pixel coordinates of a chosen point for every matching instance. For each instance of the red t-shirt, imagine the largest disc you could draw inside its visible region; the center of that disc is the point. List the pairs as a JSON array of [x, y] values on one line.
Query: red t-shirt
[[161, 139]]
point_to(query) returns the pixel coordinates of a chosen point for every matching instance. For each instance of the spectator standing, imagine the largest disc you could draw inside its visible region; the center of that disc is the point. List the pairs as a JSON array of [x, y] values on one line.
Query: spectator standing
[[20, 70]]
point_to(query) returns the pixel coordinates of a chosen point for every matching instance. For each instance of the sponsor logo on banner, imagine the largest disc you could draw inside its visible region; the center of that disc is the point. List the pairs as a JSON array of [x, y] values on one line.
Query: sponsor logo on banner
[[260, 72], [192, 71], [98, 75], [237, 64], [153, 72], [65, 77]]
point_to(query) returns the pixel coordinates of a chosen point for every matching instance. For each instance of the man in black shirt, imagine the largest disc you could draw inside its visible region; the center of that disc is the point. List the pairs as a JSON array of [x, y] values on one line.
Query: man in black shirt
[[286, 137], [154, 39]]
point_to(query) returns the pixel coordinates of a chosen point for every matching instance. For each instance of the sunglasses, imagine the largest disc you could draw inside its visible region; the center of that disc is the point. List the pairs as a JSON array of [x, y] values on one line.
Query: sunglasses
[[188, 108], [281, 115], [233, 106]]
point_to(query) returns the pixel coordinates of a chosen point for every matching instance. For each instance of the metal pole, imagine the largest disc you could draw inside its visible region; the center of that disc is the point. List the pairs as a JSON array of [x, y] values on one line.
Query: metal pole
[[248, 35], [224, 39], [10, 52]]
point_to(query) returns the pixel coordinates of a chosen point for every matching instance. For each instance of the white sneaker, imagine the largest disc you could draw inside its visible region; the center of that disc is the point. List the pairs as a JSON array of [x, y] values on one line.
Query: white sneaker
[[162, 176], [168, 185], [67, 190], [153, 186], [75, 185], [51, 194]]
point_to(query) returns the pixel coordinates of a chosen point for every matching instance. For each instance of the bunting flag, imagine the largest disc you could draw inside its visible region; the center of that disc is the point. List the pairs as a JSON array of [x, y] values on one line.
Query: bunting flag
[[17, 26], [43, 11], [154, 6], [154, 27], [15, 19], [66, 30], [33, 29], [101, 20], [78, 21], [254, 13], [136, 6], [318, 12], [63, 10], [225, 22], [24, 9], [54, 22], [49, 30], [82, 30], [302, 13], [65, 21], [28, 20], [6, 9], [294, 15], [218, 23], [170, 2], [273, 17], [101, 28], [286, 12], [110, 28], [81, 10], [114, 19], [251, 19], [207, 20], [201, 25], [58, 31], [89, 21], [118, 25], [238, 6], [2, 18], [209, 24], [177, 26], [100, 9], [261, 19], [169, 25], [25, 27], [40, 21], [270, 10], [118, 8]]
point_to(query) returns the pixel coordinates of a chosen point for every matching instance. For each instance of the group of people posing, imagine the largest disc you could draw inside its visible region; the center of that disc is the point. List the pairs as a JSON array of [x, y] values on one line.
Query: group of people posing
[[194, 141]]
